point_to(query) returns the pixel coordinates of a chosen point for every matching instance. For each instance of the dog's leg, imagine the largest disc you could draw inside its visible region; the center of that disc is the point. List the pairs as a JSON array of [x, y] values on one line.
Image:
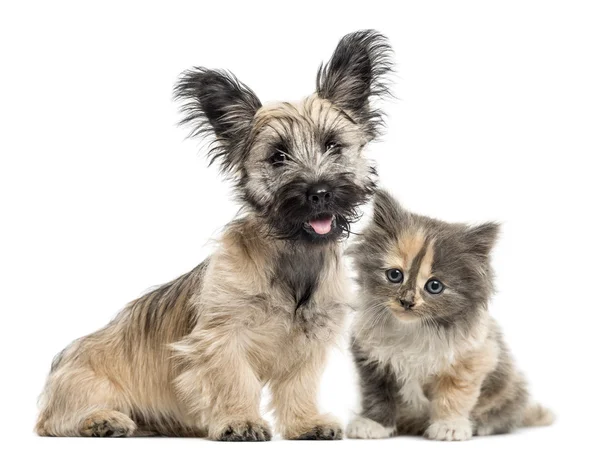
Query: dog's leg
[[78, 402], [295, 401], [101, 423], [220, 386]]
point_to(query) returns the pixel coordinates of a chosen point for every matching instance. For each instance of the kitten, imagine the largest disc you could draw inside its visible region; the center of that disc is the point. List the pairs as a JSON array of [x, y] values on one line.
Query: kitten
[[430, 358]]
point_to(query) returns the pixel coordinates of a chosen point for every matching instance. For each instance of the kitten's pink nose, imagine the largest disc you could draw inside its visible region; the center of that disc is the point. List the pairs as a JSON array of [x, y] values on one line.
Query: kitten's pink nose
[[407, 304]]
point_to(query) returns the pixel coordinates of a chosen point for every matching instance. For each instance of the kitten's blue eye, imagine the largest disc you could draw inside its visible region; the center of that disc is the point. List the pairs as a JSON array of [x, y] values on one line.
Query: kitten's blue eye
[[395, 275], [434, 286]]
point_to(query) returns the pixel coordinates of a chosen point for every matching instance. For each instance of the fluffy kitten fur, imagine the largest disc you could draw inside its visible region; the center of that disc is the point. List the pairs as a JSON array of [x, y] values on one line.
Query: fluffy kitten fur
[[191, 357], [431, 363]]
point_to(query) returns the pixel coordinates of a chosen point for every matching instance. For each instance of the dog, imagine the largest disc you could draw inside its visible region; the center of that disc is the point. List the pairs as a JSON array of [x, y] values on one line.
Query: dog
[[190, 358]]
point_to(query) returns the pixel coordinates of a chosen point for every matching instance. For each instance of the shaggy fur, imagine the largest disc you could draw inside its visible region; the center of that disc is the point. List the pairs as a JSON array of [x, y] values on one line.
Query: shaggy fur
[[430, 358], [191, 357]]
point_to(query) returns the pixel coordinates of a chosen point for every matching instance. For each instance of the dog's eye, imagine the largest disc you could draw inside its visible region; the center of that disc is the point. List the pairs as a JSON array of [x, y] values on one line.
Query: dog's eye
[[434, 286], [278, 159], [333, 147], [395, 275]]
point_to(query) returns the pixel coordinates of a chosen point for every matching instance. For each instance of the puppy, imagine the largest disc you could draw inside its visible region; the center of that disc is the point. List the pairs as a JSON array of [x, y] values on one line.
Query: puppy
[[430, 358], [191, 357]]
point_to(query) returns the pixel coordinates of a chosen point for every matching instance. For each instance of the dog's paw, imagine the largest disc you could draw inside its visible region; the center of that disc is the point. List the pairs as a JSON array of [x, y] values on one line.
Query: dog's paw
[[322, 433], [245, 431], [323, 428], [107, 424], [450, 430], [365, 428]]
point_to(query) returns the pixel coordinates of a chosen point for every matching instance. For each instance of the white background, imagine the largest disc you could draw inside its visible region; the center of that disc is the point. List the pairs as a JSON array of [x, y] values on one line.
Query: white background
[[497, 117]]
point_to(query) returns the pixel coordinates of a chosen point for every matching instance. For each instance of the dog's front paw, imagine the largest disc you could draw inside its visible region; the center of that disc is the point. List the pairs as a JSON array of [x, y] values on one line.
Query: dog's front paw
[[244, 431], [322, 433], [365, 428], [450, 430], [323, 429]]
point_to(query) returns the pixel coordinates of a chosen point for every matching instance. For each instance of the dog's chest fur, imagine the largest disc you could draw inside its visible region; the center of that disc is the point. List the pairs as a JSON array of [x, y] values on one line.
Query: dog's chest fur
[[277, 298], [310, 282], [298, 274]]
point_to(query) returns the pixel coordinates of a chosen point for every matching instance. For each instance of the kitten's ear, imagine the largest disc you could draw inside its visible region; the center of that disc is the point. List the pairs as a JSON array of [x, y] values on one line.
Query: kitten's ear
[[387, 212], [356, 75], [215, 102], [482, 238]]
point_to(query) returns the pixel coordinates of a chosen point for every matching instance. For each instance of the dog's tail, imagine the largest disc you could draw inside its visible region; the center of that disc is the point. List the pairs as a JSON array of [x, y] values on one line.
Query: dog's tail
[[537, 415]]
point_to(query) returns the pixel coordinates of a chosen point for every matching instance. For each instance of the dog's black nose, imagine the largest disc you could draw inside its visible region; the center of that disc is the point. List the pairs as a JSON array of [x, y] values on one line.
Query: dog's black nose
[[407, 304], [319, 194]]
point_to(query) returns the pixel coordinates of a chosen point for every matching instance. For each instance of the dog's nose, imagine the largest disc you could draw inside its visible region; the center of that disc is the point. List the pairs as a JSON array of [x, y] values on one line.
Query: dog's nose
[[319, 194], [407, 304]]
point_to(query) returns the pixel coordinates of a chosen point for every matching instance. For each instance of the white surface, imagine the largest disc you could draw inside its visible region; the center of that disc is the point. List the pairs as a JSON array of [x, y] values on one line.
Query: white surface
[[497, 117]]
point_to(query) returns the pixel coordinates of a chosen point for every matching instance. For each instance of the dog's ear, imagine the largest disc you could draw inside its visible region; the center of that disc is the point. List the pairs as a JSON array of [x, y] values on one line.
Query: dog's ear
[[215, 102], [356, 75]]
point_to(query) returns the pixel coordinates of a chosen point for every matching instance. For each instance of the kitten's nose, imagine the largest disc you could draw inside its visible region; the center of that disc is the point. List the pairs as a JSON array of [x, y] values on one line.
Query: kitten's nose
[[319, 194], [407, 304]]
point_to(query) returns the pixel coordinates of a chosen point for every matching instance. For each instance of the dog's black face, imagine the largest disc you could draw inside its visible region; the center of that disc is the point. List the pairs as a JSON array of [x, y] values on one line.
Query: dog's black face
[[305, 172], [300, 166], [317, 212]]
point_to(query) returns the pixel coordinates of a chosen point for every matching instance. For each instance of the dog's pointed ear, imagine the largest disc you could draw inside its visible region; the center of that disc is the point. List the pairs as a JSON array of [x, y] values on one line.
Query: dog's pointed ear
[[356, 75], [215, 102], [388, 215]]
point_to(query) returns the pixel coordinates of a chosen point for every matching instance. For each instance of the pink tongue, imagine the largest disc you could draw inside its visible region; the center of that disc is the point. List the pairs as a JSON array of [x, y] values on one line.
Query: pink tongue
[[321, 226]]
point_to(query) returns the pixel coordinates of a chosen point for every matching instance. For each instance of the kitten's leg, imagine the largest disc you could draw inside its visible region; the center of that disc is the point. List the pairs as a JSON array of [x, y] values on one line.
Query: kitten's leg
[[295, 400], [454, 394], [504, 397], [502, 402], [219, 385], [453, 399], [379, 391]]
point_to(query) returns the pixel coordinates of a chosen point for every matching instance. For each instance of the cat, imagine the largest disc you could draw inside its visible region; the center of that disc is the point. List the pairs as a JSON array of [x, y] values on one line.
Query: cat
[[431, 360]]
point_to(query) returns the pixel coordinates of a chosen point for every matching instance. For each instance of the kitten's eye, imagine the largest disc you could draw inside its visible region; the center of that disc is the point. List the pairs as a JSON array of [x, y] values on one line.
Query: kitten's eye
[[278, 159], [395, 275], [333, 147], [434, 286]]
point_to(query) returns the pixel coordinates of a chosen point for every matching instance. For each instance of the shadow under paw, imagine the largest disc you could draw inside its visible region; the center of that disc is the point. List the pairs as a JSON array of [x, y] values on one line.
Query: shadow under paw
[[245, 431], [321, 433]]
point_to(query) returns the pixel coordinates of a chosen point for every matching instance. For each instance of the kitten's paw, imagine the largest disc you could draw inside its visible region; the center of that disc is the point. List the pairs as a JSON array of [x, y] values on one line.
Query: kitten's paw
[[244, 431], [365, 428], [484, 430], [107, 424], [450, 430], [323, 429]]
